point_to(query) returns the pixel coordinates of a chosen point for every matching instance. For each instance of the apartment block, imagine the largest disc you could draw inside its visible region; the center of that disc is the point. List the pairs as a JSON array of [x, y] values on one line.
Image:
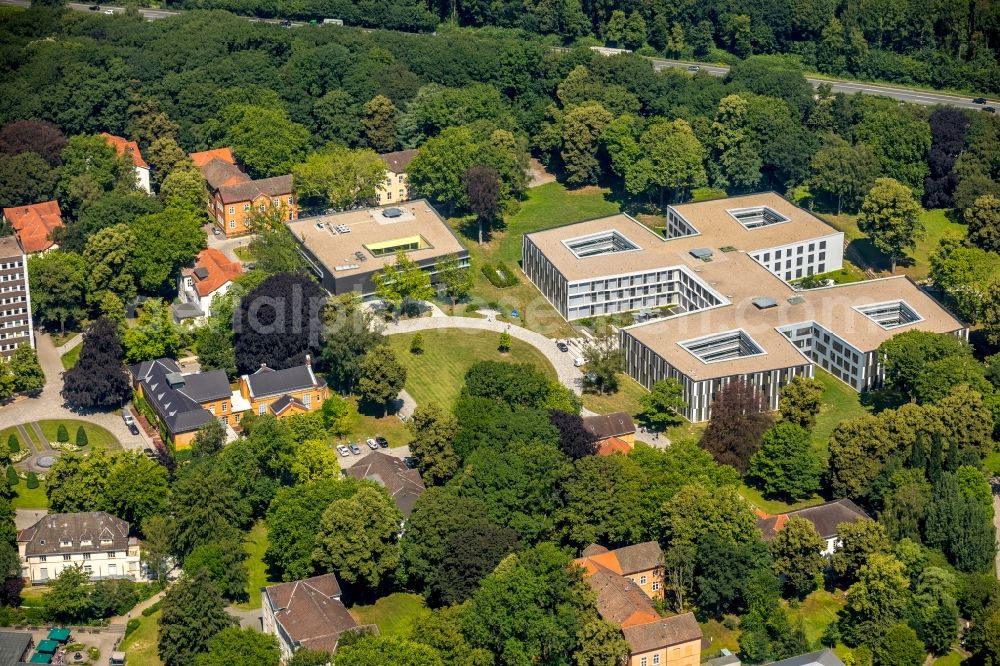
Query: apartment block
[[16, 328], [714, 298]]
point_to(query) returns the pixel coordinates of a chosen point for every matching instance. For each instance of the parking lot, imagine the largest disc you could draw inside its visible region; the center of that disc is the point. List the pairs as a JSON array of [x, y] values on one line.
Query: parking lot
[[353, 459]]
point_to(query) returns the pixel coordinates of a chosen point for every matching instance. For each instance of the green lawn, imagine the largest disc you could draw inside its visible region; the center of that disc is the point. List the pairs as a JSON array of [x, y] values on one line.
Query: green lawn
[[546, 206], [367, 425], [817, 611], [70, 358], [30, 498], [97, 436], [437, 374], [243, 253], [256, 544], [395, 614], [953, 658], [625, 400], [992, 463], [719, 637], [140, 645], [840, 403], [775, 506], [7, 432], [936, 226]]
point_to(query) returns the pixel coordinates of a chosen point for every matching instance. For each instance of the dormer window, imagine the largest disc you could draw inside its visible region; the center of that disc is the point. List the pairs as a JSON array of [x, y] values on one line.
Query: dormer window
[[85, 542], [106, 542], [63, 543]]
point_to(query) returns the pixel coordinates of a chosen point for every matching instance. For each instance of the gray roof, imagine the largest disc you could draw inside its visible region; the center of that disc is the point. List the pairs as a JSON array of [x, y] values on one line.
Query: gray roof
[[614, 424], [184, 311], [179, 411], [310, 612], [403, 484], [44, 537], [821, 658], [205, 386], [276, 186], [283, 403], [826, 518], [724, 660], [14, 647], [266, 382]]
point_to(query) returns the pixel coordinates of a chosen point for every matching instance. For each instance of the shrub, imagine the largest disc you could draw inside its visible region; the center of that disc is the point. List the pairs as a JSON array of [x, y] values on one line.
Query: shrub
[[417, 344], [81, 436], [504, 346], [62, 434], [500, 275], [13, 443], [131, 626], [12, 478], [32, 480], [146, 612], [93, 653]]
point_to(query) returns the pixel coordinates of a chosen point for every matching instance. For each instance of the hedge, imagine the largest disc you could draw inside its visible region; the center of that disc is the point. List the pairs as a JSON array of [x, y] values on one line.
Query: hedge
[[500, 275], [13, 443], [146, 612], [131, 626]]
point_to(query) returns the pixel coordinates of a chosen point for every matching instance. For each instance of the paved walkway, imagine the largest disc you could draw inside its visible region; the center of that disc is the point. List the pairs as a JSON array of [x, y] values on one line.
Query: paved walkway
[[995, 483], [49, 403], [562, 362]]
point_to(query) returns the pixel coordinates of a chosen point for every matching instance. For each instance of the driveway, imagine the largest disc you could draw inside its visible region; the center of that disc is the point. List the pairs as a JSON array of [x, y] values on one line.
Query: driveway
[[49, 403], [226, 245]]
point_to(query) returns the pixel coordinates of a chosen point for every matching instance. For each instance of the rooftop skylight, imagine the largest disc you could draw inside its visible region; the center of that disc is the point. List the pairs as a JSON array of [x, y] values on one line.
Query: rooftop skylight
[[757, 216], [595, 245], [891, 314], [726, 346]]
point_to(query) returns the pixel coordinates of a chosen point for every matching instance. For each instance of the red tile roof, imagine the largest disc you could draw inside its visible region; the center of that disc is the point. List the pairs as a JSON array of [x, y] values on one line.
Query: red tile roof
[[33, 224], [611, 445], [826, 518], [217, 271], [644, 556], [123, 145], [310, 611], [206, 156]]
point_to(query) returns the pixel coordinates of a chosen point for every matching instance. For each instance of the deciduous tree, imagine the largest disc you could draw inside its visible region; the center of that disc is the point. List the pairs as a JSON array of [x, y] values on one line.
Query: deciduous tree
[[378, 123], [661, 407], [224, 561], [890, 215], [844, 172], [382, 377], [314, 460], [193, 613], [98, 379], [482, 195], [233, 645], [470, 554], [433, 430], [983, 218], [35, 136], [58, 287], [340, 177], [737, 423], [785, 464], [800, 401], [264, 139], [796, 550], [28, 375], [403, 281]]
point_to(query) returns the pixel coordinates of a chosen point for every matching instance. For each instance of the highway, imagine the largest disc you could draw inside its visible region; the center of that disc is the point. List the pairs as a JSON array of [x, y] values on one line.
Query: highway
[[910, 95]]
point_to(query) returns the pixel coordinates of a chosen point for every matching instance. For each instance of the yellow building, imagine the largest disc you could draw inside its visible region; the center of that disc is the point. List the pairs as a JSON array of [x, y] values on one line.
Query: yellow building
[[396, 187], [281, 393]]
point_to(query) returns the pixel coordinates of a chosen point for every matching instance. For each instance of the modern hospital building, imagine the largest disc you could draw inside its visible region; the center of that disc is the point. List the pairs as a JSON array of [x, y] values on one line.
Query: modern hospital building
[[723, 269]]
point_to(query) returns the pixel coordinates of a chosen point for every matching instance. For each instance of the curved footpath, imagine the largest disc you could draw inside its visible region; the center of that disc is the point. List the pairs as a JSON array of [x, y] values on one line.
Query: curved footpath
[[562, 362]]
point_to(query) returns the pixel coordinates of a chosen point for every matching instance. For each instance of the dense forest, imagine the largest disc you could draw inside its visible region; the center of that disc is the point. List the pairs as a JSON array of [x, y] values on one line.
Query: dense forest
[[951, 43]]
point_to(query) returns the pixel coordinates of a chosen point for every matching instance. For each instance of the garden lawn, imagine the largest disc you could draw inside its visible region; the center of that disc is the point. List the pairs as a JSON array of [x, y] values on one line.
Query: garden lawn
[[97, 436], [775, 506], [840, 403], [625, 400], [372, 423], [953, 658], [70, 358], [816, 612], [5, 435], [34, 498], [437, 375], [719, 637], [140, 645], [256, 543], [394, 615], [937, 225], [546, 206]]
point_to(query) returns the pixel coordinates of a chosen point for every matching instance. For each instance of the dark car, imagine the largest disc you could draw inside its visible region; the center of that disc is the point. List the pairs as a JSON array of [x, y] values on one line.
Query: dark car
[[133, 428], [979, 100], [286, 24], [94, 8], [989, 109], [562, 346], [694, 68], [382, 441]]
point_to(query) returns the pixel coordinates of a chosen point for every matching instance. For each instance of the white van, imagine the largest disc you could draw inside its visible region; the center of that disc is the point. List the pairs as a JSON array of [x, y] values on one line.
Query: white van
[[579, 362]]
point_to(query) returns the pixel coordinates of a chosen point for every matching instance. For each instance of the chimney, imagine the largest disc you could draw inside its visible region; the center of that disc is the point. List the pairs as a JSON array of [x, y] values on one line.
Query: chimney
[[309, 360], [263, 366]]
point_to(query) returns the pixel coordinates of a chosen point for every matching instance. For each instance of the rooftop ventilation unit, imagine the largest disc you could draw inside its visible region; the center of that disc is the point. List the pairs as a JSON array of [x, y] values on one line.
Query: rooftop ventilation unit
[[764, 302], [701, 253], [175, 379], [392, 212], [795, 300]]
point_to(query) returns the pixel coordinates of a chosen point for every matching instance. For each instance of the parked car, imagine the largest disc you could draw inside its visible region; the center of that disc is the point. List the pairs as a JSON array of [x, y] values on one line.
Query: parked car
[[372, 444], [355, 449], [579, 362], [127, 417], [694, 68], [109, 12], [215, 230], [342, 450], [979, 100], [149, 453], [133, 428], [94, 8], [286, 24], [562, 346], [382, 441], [989, 109]]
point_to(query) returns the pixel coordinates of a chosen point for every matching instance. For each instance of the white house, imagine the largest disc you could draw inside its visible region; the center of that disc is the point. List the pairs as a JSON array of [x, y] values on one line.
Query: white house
[[123, 146], [95, 541], [197, 287]]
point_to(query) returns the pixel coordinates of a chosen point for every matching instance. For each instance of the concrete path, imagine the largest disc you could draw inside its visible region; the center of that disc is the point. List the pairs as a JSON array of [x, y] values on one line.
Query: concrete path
[[226, 245], [49, 403], [26, 439], [562, 362], [69, 344], [136, 610], [995, 484]]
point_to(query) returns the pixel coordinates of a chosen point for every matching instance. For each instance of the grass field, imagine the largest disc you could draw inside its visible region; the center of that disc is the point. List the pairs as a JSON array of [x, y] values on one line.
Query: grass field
[[70, 358], [367, 425], [437, 374], [936, 226], [546, 206], [719, 637], [775, 506], [27, 498], [816, 612], [953, 658], [7, 432], [625, 400], [97, 437], [140, 645], [256, 544], [840, 403], [395, 614]]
